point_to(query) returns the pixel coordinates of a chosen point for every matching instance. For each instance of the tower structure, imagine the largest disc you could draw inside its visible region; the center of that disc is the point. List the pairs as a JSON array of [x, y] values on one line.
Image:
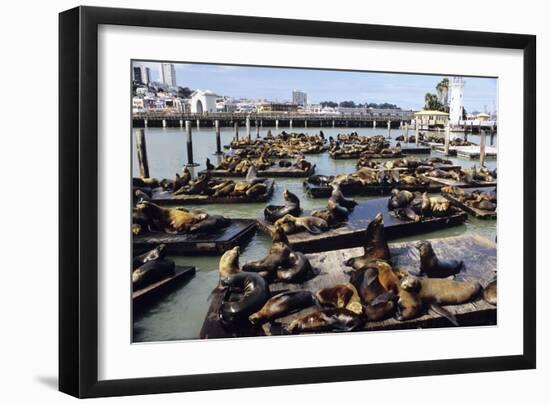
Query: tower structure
[[456, 104]]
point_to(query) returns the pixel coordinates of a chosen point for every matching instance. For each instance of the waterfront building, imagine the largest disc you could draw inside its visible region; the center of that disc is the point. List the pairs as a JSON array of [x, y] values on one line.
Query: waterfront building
[[203, 102], [168, 73], [427, 118], [457, 102], [277, 107], [483, 116], [299, 98]]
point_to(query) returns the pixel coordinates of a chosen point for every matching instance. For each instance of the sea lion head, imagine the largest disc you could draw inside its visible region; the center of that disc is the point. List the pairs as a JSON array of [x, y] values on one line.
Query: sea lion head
[[229, 262], [288, 218], [424, 248], [411, 284], [278, 235], [148, 208]]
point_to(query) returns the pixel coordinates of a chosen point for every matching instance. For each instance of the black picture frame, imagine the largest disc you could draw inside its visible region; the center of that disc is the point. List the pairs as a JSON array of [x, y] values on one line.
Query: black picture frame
[[78, 206]]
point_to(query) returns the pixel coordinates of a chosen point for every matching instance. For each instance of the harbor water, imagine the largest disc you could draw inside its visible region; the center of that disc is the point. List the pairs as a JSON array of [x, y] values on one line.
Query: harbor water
[[180, 315]]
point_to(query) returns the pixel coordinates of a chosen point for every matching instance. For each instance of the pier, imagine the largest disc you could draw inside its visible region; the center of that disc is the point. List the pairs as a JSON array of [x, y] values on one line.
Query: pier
[[279, 120]]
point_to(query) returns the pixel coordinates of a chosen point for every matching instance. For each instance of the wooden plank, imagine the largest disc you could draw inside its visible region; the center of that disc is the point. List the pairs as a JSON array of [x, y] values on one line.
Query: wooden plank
[[352, 232], [217, 242], [461, 184], [144, 297], [167, 198]]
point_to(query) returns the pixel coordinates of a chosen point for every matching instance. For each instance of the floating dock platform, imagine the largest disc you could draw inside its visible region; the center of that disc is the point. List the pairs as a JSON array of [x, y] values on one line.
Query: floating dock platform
[[480, 264], [461, 184], [166, 198], [271, 172], [351, 233], [236, 233], [144, 297], [324, 191]]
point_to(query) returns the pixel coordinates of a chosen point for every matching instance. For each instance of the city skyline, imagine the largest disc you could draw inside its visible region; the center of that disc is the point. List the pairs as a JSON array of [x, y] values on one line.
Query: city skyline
[[277, 84]]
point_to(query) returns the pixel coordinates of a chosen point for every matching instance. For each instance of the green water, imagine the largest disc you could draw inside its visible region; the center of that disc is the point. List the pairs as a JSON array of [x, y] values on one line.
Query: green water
[[180, 314]]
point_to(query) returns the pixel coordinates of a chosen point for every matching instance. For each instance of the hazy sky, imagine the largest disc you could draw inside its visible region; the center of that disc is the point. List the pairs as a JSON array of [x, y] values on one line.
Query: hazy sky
[[405, 90]]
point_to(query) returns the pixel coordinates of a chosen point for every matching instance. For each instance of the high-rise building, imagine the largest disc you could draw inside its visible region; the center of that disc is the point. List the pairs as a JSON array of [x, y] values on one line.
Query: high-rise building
[[299, 97], [168, 73], [456, 104], [142, 74]]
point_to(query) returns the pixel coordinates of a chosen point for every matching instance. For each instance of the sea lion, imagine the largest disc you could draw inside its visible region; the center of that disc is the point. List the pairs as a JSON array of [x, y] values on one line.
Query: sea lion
[[252, 176], [344, 296], [441, 291], [256, 190], [295, 268], [340, 199], [283, 304], [229, 264], [278, 256], [387, 278], [490, 293], [169, 220], [409, 305], [209, 165], [151, 272], [246, 293], [400, 199], [339, 213], [432, 266], [375, 245], [140, 196], [211, 222], [292, 206], [291, 224], [157, 253], [327, 320], [224, 190], [407, 214]]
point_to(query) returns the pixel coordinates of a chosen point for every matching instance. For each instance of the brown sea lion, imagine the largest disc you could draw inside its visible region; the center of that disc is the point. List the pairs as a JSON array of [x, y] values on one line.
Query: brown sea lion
[[432, 266], [169, 220], [409, 304], [406, 214], [327, 320], [279, 255], [212, 222], [157, 253], [490, 293], [295, 269], [256, 190], [343, 296], [229, 264], [400, 199], [292, 224], [151, 272], [340, 199], [283, 304], [375, 245], [246, 293], [386, 276], [291, 206], [441, 291]]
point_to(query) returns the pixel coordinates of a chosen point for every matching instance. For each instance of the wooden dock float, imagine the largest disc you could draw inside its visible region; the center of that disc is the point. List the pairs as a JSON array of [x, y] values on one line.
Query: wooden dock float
[[324, 191], [237, 232], [271, 172], [479, 213], [480, 264], [144, 297], [472, 152], [164, 198], [461, 184], [352, 232], [405, 149]]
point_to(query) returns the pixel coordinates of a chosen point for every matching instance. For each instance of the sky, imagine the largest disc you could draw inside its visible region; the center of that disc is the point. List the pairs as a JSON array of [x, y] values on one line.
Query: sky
[[276, 84]]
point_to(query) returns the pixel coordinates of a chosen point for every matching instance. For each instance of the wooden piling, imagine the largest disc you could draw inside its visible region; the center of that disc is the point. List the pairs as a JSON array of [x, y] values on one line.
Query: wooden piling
[[248, 128], [236, 131], [406, 130], [290, 123], [198, 123], [416, 132], [218, 137], [481, 147], [447, 138], [492, 135], [257, 130], [189, 139], [389, 130], [142, 153], [276, 124]]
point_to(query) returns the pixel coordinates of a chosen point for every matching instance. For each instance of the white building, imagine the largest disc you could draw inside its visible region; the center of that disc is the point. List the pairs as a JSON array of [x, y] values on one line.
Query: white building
[[299, 97], [456, 105], [168, 74], [203, 101], [142, 74]]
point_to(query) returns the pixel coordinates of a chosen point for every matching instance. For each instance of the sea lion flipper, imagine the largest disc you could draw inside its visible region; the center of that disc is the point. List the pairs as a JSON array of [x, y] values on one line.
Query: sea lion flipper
[[383, 298], [311, 229], [445, 313]]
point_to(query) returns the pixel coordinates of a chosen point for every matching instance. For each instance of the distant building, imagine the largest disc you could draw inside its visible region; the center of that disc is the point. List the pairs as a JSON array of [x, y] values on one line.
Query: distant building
[[168, 73], [142, 74], [203, 102], [428, 118], [299, 98], [277, 107], [456, 107], [483, 116]]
